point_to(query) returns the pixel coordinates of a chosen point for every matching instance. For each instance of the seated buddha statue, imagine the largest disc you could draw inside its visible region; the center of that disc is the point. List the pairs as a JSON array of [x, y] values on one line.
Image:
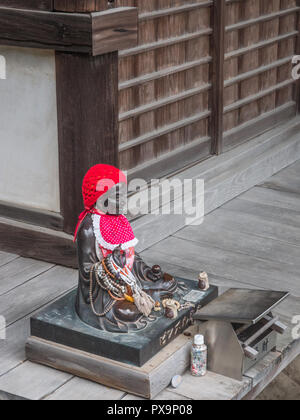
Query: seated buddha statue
[[117, 290]]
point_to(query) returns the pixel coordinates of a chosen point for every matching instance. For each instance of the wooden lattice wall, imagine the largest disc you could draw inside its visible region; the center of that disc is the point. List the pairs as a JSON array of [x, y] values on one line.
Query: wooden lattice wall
[[173, 110], [261, 38], [165, 85]]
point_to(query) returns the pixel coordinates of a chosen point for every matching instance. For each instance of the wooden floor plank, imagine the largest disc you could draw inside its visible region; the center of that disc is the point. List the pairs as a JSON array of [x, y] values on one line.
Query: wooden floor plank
[[287, 180], [27, 298], [166, 395], [282, 388], [6, 396], [33, 381], [6, 258], [285, 217], [293, 371], [270, 197], [80, 389], [172, 265], [255, 225], [12, 349], [221, 262], [241, 243], [20, 271], [211, 387]]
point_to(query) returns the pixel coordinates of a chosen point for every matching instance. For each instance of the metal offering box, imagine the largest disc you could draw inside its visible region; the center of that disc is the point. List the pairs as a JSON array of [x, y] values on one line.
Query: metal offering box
[[240, 329]]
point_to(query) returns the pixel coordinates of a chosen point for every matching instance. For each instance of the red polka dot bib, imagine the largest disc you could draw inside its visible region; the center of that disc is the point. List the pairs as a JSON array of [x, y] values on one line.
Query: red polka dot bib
[[113, 231]]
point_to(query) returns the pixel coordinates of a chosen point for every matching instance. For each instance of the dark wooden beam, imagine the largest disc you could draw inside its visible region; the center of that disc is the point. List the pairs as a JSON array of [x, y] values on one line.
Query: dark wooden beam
[[28, 4], [39, 29], [218, 49], [117, 27], [36, 242], [33, 216], [81, 5], [91, 33]]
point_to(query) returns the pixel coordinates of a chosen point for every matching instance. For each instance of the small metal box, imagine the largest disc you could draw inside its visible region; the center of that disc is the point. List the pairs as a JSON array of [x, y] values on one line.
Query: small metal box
[[240, 329]]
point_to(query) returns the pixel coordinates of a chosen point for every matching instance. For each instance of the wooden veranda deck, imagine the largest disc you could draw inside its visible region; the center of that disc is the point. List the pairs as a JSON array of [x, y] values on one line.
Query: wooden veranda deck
[[252, 242]]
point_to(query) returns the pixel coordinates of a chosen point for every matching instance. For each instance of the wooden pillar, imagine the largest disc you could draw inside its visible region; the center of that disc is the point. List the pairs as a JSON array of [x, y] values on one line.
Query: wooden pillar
[[87, 100], [218, 49]]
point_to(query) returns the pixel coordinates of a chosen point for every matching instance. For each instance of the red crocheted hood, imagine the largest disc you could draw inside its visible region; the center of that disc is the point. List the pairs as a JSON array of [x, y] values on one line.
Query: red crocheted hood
[[98, 180]]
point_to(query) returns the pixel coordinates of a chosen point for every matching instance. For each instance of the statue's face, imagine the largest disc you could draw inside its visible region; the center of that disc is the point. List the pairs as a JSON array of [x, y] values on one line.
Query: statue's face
[[114, 202]]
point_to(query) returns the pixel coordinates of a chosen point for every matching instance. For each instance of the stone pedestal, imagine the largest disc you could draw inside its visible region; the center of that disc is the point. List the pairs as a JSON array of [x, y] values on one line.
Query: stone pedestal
[[142, 362]]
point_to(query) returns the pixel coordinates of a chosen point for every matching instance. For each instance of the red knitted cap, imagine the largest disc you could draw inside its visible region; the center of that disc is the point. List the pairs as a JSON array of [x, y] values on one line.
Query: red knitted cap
[[98, 180]]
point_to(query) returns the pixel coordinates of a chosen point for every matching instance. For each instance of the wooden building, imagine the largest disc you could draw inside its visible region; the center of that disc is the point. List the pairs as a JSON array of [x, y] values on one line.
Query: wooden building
[[204, 90]]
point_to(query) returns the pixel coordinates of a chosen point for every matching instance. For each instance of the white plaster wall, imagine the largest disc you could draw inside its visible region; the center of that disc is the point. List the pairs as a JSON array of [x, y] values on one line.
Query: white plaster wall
[[28, 130]]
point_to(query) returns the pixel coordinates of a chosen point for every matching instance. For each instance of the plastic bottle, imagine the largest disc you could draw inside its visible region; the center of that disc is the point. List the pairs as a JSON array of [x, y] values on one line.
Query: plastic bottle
[[199, 357]]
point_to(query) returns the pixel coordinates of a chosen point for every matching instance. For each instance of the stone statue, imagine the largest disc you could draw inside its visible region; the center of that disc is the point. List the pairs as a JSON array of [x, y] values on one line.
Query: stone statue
[[117, 291]]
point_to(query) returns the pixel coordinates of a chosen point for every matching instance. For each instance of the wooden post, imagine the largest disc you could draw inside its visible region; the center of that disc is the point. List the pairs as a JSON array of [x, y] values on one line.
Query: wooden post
[[218, 75], [87, 101]]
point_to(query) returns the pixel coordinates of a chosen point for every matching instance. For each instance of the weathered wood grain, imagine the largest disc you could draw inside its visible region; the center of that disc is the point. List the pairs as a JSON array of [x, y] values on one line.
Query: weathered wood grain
[[273, 197], [83, 390], [258, 34], [32, 241], [227, 176], [80, 5], [87, 123], [6, 257], [283, 388], [93, 33], [147, 381], [172, 61], [33, 216], [263, 273], [114, 30], [20, 271], [39, 29], [219, 236], [32, 381], [32, 295], [212, 387], [28, 4], [286, 217], [12, 349]]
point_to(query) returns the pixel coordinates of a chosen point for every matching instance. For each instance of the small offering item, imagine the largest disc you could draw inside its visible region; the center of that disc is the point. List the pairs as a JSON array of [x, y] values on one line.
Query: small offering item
[[203, 281], [199, 357], [157, 307], [171, 308], [176, 381]]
